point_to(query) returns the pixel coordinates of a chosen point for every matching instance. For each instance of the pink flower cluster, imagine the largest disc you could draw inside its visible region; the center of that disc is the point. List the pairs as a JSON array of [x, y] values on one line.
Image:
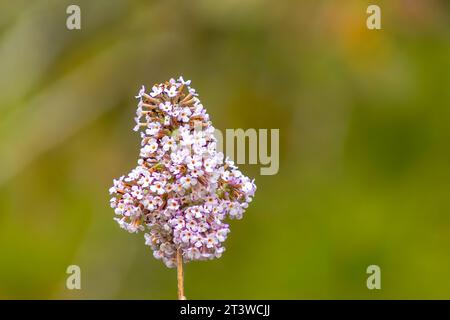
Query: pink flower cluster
[[182, 188]]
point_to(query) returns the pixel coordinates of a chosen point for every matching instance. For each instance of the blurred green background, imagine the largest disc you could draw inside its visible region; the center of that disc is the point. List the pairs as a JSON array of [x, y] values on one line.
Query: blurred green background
[[364, 119]]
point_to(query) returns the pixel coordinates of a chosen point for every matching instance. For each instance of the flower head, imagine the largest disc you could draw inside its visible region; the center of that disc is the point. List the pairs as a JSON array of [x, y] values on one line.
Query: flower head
[[182, 188]]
